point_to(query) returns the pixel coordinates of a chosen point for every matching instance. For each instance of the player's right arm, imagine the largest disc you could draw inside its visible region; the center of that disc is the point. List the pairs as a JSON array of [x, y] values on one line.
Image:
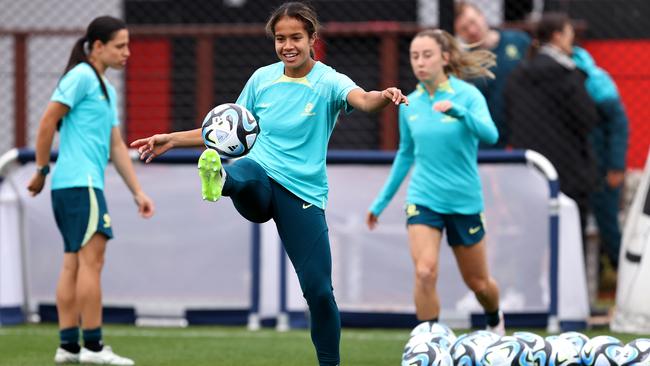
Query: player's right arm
[[158, 144], [46, 129]]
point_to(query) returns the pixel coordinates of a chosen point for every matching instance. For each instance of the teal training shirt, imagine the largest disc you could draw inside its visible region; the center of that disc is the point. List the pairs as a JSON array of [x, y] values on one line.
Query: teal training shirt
[[443, 148], [511, 49], [296, 118], [85, 135]]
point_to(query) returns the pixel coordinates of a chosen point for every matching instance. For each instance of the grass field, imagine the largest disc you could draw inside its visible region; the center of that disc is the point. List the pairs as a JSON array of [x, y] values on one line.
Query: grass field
[[34, 345]]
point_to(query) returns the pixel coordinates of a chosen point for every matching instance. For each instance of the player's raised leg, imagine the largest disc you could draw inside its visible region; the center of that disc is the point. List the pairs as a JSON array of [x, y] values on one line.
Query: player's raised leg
[[212, 175]]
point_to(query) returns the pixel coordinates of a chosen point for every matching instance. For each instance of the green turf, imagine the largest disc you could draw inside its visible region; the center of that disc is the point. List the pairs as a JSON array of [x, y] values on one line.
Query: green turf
[[30, 345]]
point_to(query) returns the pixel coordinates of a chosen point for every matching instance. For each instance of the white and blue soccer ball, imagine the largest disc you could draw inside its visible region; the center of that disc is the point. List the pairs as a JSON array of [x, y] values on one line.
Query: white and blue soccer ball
[[508, 351], [540, 349], [601, 351], [440, 339], [635, 353], [434, 328], [576, 338], [419, 352], [563, 352], [230, 129], [468, 350]]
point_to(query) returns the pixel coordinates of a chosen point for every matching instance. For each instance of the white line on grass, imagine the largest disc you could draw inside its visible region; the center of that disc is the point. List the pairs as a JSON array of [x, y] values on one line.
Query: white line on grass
[[242, 334]]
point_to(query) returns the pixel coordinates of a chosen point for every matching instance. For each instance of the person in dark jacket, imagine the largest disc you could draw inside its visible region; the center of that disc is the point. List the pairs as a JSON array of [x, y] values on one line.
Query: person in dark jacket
[[548, 109], [609, 139]]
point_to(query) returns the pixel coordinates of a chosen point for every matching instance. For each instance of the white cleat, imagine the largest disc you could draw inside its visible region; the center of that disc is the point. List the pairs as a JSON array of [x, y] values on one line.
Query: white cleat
[[62, 357], [500, 328], [103, 357]]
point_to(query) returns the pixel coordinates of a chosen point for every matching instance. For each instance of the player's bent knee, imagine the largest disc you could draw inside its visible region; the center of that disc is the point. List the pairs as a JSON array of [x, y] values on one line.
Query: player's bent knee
[[478, 285], [426, 274], [319, 296]]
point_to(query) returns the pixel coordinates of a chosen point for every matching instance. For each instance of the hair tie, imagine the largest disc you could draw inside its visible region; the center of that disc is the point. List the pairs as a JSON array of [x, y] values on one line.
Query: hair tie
[[85, 44]]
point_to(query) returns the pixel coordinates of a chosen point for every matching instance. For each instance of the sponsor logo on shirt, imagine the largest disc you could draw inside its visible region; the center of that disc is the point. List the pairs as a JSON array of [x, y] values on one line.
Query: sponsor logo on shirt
[[413, 117], [448, 119], [264, 105]]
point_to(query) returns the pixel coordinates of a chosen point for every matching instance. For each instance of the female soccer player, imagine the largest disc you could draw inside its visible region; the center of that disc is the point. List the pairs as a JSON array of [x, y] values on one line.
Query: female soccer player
[[85, 105], [296, 102], [439, 134]]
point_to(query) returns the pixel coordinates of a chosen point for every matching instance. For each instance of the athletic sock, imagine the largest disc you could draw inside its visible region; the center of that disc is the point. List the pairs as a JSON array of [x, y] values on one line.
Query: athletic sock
[[93, 339], [492, 318], [70, 339]]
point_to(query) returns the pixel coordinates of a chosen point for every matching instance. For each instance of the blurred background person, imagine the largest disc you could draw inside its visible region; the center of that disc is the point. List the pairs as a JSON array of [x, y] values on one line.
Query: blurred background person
[[509, 46], [548, 109], [84, 109], [439, 135], [610, 140]]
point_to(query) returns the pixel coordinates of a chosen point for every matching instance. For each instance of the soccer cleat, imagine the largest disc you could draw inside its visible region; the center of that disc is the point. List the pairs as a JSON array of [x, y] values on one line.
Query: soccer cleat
[[63, 357], [103, 357], [500, 328], [211, 174]]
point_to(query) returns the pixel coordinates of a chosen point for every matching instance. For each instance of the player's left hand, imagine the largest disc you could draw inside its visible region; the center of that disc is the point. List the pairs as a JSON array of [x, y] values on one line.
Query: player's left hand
[[615, 178], [395, 95], [145, 205], [35, 185], [443, 106], [371, 220]]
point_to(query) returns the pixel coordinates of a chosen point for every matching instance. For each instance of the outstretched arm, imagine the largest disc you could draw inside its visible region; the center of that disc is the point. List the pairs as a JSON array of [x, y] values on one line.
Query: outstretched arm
[[157, 145], [374, 101], [123, 165]]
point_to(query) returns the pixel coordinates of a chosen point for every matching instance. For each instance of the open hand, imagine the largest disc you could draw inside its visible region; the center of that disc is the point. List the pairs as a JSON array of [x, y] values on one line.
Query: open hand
[[153, 146]]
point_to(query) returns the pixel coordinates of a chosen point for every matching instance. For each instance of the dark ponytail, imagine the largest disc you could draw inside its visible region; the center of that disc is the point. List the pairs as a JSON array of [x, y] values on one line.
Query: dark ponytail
[[101, 29], [549, 24]]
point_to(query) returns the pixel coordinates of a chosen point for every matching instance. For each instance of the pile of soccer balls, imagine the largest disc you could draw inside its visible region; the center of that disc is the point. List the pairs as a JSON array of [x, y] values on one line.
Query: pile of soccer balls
[[436, 344]]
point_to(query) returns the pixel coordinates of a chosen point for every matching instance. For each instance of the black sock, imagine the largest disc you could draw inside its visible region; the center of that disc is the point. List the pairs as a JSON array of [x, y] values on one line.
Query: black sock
[[492, 318], [432, 320], [93, 339], [71, 347], [70, 339], [94, 346]]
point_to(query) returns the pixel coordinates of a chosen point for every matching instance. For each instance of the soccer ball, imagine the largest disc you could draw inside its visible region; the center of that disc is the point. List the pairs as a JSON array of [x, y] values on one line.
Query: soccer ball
[[419, 352], [540, 349], [577, 339], [469, 348], [440, 339], [636, 353], [230, 129], [601, 351], [563, 352], [508, 351], [434, 328]]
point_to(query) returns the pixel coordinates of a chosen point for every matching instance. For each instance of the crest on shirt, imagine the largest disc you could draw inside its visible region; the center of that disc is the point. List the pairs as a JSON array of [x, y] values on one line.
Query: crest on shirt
[[512, 52], [309, 107]]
